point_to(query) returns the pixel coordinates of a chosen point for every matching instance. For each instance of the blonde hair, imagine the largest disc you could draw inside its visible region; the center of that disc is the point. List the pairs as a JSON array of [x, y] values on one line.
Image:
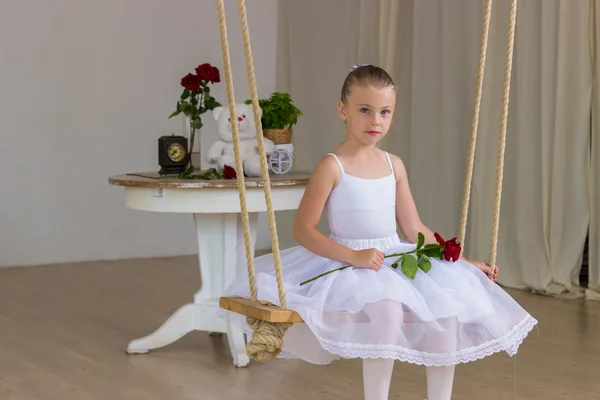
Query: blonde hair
[[365, 74]]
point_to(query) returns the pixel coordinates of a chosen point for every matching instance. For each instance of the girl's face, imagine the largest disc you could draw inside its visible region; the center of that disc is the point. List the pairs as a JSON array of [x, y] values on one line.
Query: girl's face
[[368, 112]]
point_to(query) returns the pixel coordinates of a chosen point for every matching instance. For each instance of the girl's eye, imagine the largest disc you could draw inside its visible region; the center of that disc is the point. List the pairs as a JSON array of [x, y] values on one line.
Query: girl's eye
[[364, 110], [385, 112]]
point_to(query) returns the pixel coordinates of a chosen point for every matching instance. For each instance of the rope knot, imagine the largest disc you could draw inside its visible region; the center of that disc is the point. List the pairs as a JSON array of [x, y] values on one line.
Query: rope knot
[[267, 338]]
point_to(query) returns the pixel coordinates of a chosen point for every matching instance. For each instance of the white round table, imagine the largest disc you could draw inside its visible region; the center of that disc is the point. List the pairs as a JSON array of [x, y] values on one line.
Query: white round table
[[215, 206]]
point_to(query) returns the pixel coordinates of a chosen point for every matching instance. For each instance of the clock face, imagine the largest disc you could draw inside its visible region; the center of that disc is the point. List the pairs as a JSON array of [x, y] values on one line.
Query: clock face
[[176, 152]]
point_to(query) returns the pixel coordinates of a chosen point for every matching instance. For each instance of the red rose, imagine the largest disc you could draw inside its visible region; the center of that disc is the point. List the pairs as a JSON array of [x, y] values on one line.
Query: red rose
[[229, 172], [439, 239], [217, 78], [208, 73], [451, 247], [191, 82], [452, 250]]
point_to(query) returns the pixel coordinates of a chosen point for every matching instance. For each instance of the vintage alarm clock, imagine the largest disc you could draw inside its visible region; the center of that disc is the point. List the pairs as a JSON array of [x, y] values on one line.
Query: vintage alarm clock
[[173, 155]]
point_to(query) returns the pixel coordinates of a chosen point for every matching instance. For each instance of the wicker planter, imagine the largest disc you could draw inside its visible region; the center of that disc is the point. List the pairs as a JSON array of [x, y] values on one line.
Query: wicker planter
[[278, 136]]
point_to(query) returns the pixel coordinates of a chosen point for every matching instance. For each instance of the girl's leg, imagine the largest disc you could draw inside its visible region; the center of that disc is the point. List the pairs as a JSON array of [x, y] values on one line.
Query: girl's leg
[[439, 382], [385, 321], [440, 379], [377, 376]]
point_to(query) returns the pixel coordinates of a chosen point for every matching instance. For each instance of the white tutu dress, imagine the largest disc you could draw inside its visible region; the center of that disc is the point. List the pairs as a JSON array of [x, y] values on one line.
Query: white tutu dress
[[452, 314]]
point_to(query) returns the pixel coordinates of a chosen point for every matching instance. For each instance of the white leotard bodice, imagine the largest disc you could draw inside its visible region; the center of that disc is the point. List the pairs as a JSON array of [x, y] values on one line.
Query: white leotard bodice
[[361, 208]]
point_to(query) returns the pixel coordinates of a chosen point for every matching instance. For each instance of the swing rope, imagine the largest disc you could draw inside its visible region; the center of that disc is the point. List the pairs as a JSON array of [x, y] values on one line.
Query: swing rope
[[502, 141], [475, 122], [267, 338]]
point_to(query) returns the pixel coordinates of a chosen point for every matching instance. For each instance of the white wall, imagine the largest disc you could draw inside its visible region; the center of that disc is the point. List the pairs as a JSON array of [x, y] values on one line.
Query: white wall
[[85, 90]]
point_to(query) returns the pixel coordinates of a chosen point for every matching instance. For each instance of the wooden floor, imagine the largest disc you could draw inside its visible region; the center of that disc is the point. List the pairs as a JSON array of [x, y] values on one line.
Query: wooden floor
[[64, 330]]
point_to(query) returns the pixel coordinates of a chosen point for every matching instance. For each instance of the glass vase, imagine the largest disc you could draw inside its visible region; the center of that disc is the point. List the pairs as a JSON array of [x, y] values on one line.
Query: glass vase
[[193, 141]]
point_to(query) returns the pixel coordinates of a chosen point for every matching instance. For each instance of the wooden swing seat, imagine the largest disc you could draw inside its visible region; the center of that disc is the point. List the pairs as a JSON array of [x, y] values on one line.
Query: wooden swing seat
[[255, 309]]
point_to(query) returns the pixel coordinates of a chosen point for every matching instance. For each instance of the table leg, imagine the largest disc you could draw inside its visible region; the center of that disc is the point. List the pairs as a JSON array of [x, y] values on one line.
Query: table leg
[[222, 256]]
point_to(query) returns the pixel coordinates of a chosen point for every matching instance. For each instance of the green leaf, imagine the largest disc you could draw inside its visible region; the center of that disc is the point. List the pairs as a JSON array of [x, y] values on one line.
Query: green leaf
[[185, 94], [196, 123], [430, 252], [424, 263], [421, 240], [434, 250], [211, 173], [186, 173], [183, 106], [177, 111], [410, 266]]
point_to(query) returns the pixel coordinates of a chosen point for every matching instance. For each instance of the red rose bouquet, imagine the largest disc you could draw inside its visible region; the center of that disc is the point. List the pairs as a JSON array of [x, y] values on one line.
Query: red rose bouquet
[[195, 99], [448, 250]]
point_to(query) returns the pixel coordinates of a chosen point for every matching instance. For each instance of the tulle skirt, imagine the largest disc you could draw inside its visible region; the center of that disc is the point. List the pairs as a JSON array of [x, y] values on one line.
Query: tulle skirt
[[452, 314]]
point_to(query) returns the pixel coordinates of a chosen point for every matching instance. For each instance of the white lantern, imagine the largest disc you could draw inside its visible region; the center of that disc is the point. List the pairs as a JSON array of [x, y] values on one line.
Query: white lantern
[[281, 160]]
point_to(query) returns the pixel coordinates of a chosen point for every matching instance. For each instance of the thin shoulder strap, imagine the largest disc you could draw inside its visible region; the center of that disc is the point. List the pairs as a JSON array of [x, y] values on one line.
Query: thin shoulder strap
[[389, 160], [338, 161]]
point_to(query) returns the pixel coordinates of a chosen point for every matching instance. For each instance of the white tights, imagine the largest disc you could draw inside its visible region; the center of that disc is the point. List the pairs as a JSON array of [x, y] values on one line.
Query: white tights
[[377, 376], [387, 318]]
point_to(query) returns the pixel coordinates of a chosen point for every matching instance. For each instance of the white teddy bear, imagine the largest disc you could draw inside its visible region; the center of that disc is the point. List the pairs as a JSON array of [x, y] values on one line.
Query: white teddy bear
[[221, 151]]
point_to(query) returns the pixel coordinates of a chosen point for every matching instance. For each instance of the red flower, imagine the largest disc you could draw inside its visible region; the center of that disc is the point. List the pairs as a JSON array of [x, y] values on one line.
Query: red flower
[[439, 239], [451, 248], [229, 172], [208, 73], [217, 77], [191, 82]]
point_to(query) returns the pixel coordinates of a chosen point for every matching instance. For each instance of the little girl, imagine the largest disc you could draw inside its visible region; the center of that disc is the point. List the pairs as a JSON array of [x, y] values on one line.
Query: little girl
[[452, 313]]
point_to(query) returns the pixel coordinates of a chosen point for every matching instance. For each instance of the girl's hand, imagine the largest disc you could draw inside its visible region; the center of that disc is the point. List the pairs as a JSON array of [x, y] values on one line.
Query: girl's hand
[[485, 267], [368, 258]]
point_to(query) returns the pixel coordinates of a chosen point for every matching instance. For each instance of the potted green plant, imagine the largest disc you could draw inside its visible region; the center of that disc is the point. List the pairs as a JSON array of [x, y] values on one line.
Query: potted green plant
[[279, 115]]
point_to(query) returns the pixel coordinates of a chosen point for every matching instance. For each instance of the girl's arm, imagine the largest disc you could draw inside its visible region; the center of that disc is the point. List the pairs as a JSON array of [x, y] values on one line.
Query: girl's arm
[[407, 215], [408, 218], [325, 177]]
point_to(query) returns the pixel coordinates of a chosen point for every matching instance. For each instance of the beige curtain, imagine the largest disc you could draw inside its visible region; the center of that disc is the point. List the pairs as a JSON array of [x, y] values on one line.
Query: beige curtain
[[431, 48], [544, 210], [593, 291]]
